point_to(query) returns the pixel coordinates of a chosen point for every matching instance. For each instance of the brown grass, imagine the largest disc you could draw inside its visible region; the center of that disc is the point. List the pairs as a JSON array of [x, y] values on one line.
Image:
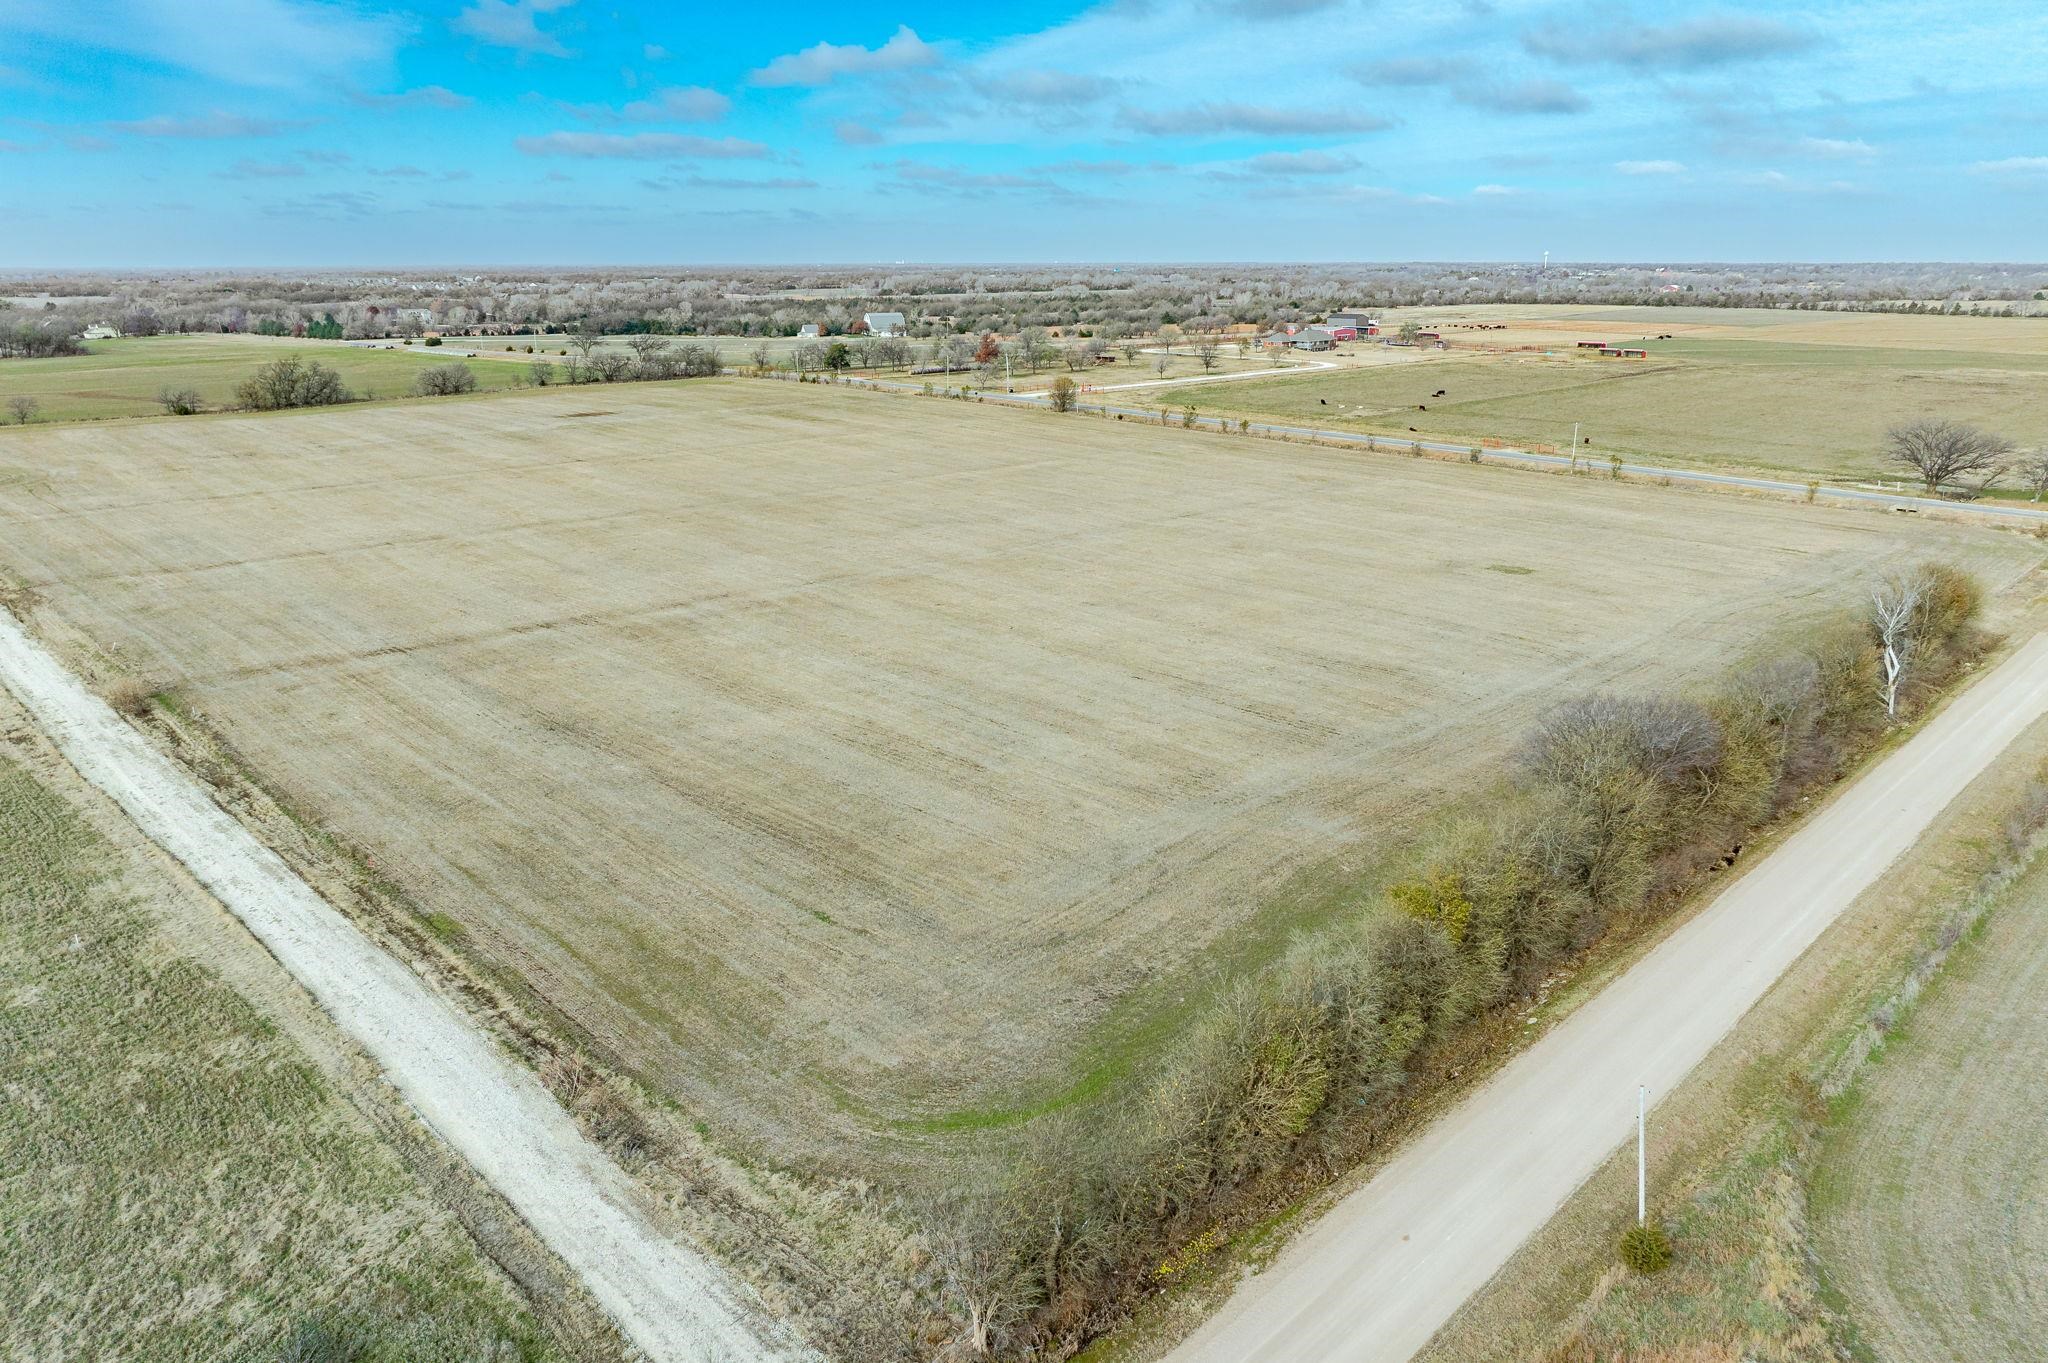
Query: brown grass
[[834, 760]]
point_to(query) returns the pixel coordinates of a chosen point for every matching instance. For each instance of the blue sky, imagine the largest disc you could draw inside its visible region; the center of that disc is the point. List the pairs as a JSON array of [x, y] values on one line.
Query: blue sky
[[376, 132]]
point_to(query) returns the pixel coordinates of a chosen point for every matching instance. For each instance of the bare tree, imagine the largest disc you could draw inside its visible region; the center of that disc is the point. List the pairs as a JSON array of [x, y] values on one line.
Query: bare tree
[[1943, 451], [651, 356], [1205, 351], [1163, 363], [24, 409], [1894, 608], [762, 356], [2034, 471], [179, 401], [610, 365], [973, 1250], [583, 338]]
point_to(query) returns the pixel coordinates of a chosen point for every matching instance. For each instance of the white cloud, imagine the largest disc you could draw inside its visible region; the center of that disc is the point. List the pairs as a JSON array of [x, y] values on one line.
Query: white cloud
[[218, 124], [272, 44], [1260, 120], [826, 62], [1650, 167], [425, 97], [1838, 149], [642, 146], [856, 134], [512, 23], [2012, 165], [678, 104], [1495, 191]]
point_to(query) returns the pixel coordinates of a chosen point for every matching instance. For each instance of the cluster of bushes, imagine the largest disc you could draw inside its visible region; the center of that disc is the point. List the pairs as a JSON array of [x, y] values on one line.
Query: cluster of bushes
[[38, 339], [647, 358], [1610, 805], [291, 382]]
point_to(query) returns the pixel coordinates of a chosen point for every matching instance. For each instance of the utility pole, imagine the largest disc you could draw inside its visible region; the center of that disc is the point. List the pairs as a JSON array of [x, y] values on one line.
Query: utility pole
[[1642, 1167], [1575, 447]]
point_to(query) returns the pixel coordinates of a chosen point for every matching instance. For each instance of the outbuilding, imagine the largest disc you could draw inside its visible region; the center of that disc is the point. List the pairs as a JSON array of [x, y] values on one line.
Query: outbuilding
[[883, 323]]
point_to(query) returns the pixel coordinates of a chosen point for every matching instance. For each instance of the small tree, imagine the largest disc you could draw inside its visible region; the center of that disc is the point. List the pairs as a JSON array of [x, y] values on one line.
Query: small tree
[[178, 401], [1163, 363], [984, 1279], [1943, 451], [1205, 351], [2034, 471], [24, 409], [1062, 393], [763, 358], [1409, 333], [1894, 610], [444, 380], [838, 357], [990, 349]]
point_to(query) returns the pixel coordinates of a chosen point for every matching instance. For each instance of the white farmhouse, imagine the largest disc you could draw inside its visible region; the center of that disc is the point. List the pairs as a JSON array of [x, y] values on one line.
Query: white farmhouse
[[883, 323]]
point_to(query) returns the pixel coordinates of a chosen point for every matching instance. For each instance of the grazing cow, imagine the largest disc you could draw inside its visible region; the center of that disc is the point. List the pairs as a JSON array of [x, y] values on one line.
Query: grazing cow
[[1322, 402], [1441, 392], [1421, 406]]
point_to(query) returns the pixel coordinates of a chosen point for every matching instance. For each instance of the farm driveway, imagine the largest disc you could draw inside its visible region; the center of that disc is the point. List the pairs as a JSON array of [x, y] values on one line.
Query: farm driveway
[[1377, 1276], [668, 1300]]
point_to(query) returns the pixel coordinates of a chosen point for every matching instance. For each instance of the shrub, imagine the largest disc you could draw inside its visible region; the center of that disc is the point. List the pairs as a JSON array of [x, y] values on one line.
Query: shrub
[[431, 340], [1646, 1249], [130, 696], [291, 382], [443, 380], [179, 401], [1062, 393]]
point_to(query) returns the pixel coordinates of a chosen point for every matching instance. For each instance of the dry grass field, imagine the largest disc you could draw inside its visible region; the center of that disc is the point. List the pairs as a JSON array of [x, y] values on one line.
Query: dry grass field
[[843, 762], [182, 1181], [1931, 1193], [1784, 392]]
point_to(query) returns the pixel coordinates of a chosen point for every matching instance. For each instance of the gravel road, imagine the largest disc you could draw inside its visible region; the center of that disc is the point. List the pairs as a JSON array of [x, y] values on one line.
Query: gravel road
[[1377, 1276], [668, 1300]]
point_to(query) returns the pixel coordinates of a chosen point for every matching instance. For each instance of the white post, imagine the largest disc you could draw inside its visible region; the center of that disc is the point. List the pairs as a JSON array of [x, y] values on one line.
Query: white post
[[1642, 1181], [1575, 447]]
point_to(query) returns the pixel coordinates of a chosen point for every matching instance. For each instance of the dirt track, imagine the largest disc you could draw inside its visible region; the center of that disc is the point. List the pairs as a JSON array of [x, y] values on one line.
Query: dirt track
[[670, 1301], [1374, 1279]]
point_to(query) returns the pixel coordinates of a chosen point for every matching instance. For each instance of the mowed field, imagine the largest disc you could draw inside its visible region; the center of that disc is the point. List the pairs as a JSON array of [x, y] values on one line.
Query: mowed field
[[836, 759], [1799, 393], [123, 377], [1931, 1194], [183, 1182]]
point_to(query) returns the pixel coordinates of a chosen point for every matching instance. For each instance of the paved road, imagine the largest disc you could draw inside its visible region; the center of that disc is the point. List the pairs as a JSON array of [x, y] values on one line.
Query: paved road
[[1375, 1278], [667, 1299], [1511, 455]]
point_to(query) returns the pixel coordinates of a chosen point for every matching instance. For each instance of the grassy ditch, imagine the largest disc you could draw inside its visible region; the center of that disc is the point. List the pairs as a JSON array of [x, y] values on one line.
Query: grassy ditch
[[1614, 808], [183, 1183]]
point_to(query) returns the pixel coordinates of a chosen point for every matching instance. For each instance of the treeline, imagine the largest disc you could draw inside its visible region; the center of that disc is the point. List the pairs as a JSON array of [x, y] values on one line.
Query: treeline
[[1610, 807], [946, 300]]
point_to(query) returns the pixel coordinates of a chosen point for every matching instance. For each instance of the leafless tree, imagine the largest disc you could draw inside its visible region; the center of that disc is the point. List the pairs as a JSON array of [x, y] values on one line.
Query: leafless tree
[[2034, 471], [179, 401], [1942, 451], [1205, 351], [584, 338], [23, 408], [1163, 362], [444, 380], [1894, 608], [763, 357], [610, 365], [651, 356], [984, 1281]]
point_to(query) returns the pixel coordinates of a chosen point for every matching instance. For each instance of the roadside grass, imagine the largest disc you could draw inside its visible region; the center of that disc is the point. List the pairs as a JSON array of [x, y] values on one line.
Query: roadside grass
[[1926, 1186], [1733, 1151], [1745, 404], [121, 378], [182, 1182]]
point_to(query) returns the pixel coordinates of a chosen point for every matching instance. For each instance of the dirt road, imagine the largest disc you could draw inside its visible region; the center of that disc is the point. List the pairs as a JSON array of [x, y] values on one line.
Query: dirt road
[[1377, 1276], [671, 1302]]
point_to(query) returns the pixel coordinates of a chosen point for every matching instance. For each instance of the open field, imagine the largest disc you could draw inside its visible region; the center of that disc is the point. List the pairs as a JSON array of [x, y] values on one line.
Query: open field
[[1930, 1205], [1803, 393], [183, 1181], [122, 377], [834, 760]]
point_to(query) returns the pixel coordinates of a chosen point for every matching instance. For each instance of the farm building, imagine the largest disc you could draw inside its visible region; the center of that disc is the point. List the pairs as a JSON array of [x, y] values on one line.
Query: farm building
[[1358, 322], [883, 323], [809, 329], [1592, 345]]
